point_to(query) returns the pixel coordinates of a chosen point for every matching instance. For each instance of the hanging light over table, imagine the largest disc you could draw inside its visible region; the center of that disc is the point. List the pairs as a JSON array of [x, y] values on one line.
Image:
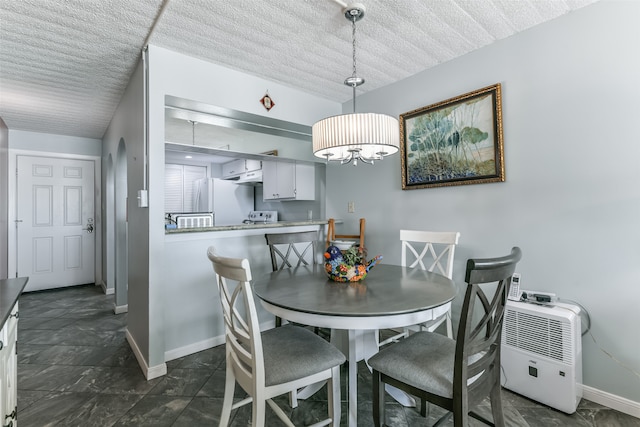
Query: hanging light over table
[[355, 137]]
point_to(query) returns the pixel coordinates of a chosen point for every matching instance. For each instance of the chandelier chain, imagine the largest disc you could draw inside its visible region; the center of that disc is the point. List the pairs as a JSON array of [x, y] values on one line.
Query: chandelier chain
[[353, 35], [355, 138]]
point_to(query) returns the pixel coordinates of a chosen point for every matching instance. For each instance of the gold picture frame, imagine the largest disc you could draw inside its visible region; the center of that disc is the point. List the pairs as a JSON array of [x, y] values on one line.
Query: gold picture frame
[[454, 142]]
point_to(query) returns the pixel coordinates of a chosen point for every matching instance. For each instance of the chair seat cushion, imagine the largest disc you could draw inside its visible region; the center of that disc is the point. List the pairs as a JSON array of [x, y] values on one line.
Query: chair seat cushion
[[292, 352], [424, 360]]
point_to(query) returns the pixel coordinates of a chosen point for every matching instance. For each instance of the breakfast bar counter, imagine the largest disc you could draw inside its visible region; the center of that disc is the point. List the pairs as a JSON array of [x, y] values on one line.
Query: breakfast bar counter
[[194, 321], [249, 227]]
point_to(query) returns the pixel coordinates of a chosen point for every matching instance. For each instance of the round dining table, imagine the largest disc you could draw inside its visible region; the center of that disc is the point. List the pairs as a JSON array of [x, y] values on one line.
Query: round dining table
[[389, 297]]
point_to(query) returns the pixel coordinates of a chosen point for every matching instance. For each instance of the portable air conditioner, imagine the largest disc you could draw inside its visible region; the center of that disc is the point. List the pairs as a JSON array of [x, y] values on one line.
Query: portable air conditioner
[[542, 353]]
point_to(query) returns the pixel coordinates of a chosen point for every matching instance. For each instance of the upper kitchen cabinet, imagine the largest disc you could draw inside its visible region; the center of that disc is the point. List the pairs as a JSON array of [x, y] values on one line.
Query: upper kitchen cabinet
[[283, 180], [237, 167]]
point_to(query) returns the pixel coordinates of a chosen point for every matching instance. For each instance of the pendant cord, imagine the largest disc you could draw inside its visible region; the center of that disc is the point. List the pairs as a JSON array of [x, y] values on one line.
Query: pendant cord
[[355, 74], [353, 36], [193, 132]]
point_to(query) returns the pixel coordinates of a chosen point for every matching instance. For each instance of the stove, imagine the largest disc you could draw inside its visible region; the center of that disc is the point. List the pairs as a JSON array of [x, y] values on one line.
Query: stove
[[257, 217]]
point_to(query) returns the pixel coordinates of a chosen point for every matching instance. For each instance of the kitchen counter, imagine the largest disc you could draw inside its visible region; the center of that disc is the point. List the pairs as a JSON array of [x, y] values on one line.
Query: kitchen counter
[[10, 290], [279, 224]]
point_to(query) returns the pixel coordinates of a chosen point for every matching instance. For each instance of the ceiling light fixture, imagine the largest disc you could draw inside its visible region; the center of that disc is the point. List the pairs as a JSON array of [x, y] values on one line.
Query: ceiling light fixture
[[355, 137]]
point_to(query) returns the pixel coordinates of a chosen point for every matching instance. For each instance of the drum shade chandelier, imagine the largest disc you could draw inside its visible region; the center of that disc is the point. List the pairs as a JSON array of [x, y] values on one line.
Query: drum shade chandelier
[[354, 137]]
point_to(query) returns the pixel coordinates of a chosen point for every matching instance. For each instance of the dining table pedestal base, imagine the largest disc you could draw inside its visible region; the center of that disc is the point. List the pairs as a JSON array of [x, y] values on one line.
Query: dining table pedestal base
[[359, 345]]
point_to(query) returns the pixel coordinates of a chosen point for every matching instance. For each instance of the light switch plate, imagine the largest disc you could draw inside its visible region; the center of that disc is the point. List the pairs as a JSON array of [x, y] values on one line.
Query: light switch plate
[[143, 199], [351, 207]]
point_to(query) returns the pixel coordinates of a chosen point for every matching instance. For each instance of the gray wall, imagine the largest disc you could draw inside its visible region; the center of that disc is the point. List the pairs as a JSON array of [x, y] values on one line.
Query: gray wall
[[52, 143], [127, 124], [4, 198], [181, 76], [571, 199], [177, 75]]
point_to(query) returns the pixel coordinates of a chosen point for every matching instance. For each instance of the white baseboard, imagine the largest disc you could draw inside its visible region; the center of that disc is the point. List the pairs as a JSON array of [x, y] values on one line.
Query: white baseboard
[[106, 290], [119, 309], [611, 401], [149, 372], [179, 352], [156, 371]]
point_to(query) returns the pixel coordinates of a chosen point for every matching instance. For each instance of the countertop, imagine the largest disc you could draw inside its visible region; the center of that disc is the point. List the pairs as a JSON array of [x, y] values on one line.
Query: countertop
[[10, 290], [278, 224]]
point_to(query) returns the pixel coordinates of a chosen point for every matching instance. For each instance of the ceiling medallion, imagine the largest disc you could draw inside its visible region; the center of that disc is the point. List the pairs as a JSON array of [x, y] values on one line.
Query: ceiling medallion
[[267, 102]]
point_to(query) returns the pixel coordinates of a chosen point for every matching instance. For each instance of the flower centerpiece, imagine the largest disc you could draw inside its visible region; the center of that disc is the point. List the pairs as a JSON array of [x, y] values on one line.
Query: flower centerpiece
[[348, 265]]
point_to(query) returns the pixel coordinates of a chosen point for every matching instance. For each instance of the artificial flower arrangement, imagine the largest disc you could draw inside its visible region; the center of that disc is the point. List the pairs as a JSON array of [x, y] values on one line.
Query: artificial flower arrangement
[[348, 265]]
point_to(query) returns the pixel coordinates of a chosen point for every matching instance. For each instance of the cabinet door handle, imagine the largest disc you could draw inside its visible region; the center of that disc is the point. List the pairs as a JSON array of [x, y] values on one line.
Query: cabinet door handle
[[14, 315], [1, 345]]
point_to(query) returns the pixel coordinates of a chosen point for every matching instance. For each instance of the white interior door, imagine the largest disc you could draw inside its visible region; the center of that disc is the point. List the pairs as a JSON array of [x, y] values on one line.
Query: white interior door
[[55, 221]]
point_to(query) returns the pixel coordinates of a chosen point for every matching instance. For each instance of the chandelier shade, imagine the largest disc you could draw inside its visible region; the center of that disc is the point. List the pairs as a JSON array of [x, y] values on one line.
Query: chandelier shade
[[355, 136]]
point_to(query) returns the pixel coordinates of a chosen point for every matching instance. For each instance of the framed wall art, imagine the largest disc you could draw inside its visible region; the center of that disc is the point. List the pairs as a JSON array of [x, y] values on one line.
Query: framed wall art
[[454, 142]]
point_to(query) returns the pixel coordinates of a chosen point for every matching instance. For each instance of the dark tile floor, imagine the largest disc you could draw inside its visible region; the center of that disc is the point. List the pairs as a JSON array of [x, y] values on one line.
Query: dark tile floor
[[75, 368]]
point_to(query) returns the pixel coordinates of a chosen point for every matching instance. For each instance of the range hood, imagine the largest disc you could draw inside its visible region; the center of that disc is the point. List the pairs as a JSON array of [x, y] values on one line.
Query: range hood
[[253, 177]]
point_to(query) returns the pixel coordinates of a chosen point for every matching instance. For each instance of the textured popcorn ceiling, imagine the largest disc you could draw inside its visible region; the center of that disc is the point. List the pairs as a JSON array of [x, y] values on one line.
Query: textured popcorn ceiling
[[64, 64]]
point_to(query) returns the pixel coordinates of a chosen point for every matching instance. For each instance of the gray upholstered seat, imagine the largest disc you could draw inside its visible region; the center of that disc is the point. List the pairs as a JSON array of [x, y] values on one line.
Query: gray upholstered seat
[[426, 362], [454, 375], [292, 352], [271, 363]]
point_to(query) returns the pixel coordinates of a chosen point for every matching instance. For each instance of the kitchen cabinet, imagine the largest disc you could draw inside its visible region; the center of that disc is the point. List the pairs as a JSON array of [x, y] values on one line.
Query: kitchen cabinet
[[9, 369], [10, 290], [239, 166], [287, 181]]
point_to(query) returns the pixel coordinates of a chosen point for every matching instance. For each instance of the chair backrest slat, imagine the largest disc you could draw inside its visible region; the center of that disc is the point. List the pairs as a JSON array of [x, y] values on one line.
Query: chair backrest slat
[[437, 249], [478, 340], [242, 330], [300, 244]]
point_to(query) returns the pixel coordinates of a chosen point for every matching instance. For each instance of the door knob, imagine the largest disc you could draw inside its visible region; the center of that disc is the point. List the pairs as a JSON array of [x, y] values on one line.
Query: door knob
[[89, 228]]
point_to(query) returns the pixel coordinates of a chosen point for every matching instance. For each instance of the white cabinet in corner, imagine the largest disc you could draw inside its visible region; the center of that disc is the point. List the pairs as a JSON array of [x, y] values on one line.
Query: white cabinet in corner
[[239, 166], [9, 369], [283, 180]]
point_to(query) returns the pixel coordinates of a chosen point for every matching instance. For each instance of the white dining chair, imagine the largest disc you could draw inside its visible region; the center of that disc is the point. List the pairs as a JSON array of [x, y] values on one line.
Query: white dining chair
[[271, 363], [432, 251]]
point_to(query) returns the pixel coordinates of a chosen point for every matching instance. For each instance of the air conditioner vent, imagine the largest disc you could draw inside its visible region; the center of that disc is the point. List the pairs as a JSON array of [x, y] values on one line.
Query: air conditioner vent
[[543, 336]]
